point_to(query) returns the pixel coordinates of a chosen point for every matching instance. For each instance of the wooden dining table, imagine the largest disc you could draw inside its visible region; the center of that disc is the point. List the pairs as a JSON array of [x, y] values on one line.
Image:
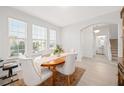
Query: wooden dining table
[[51, 64]]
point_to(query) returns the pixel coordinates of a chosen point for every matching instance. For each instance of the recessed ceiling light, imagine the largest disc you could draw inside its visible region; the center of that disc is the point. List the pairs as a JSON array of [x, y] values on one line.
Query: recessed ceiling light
[[97, 31]]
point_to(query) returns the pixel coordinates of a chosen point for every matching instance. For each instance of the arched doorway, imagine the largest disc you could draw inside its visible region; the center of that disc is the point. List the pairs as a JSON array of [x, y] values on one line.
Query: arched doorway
[[100, 39]]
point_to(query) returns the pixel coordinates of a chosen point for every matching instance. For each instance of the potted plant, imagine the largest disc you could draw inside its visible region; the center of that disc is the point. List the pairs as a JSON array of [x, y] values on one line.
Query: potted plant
[[58, 50]]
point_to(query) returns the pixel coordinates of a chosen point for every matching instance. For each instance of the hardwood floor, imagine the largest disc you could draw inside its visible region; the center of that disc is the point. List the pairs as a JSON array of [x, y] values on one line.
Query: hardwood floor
[[99, 72]]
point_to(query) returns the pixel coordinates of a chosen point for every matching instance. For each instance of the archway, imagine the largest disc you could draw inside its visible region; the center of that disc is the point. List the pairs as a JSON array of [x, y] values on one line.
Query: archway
[[108, 38]]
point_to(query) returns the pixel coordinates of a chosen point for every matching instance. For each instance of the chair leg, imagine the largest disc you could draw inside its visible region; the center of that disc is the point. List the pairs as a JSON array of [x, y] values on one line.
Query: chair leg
[[68, 80], [51, 79]]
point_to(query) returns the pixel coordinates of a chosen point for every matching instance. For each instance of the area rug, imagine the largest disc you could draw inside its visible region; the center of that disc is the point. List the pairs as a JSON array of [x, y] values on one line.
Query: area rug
[[61, 80]]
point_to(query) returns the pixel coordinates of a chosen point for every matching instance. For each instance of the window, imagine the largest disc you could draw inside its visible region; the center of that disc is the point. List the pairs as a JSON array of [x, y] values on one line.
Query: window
[[17, 36], [39, 35], [52, 41]]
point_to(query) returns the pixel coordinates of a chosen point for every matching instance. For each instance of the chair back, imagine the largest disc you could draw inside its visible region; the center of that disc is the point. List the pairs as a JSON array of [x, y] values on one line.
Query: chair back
[[37, 65], [30, 75], [69, 66]]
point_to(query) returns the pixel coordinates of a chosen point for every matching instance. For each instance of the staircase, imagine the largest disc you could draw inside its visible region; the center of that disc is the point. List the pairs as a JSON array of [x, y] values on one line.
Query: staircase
[[114, 54], [114, 49]]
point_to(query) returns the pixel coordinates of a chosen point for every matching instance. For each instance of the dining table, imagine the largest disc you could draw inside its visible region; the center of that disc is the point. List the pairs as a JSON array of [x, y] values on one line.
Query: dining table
[[52, 61]]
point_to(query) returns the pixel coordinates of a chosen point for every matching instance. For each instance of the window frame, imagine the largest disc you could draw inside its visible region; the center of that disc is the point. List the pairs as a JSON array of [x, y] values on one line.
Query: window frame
[[45, 38], [17, 38], [52, 40]]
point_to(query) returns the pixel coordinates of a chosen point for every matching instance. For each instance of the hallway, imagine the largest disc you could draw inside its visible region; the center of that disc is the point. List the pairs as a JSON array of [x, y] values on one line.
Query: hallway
[[99, 71]]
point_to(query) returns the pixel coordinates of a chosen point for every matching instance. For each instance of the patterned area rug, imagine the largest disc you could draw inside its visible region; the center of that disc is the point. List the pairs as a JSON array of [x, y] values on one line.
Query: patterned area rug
[[61, 80]]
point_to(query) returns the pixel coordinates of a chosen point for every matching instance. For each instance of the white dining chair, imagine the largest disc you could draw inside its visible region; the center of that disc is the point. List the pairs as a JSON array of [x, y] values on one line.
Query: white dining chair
[[69, 66], [33, 75]]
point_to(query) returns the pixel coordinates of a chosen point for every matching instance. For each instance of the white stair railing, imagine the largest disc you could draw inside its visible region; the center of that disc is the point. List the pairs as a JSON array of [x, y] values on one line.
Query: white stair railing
[[108, 48]]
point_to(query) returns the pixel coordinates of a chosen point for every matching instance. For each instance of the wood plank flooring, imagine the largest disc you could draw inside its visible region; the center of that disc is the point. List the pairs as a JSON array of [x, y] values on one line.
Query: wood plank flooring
[[99, 72]]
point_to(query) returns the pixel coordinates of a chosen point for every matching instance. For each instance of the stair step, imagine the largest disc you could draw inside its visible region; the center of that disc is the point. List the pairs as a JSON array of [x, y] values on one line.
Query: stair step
[[114, 49], [115, 52], [114, 55], [115, 59]]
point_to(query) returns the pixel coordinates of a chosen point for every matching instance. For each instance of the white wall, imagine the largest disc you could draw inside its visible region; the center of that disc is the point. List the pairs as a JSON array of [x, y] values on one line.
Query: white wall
[[71, 33], [5, 13], [114, 31], [111, 28], [103, 31], [87, 48]]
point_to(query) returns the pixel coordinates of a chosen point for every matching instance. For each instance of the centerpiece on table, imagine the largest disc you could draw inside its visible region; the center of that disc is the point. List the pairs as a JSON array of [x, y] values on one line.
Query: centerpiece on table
[[58, 50]]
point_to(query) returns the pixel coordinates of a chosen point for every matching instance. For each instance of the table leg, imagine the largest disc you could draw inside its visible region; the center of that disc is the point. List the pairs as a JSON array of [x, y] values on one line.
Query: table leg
[[54, 75]]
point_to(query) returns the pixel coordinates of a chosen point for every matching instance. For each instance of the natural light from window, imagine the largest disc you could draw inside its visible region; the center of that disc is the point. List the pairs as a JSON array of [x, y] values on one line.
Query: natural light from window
[[17, 36], [39, 35], [52, 42]]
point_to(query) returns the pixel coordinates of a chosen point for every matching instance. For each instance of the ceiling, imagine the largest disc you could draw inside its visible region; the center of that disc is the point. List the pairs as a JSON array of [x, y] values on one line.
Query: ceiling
[[66, 15], [113, 30]]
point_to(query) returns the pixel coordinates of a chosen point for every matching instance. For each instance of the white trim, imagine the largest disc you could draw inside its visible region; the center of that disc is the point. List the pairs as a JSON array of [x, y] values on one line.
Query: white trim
[[25, 39]]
